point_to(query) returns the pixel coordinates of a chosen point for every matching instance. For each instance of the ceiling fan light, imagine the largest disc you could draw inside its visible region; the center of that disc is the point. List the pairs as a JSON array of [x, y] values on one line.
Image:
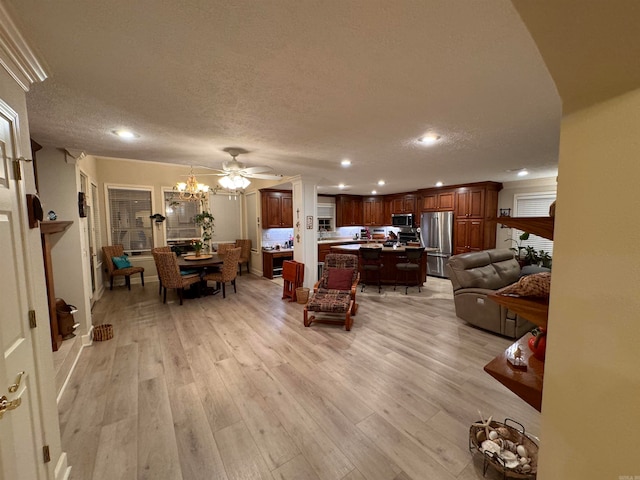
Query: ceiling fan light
[[226, 182]]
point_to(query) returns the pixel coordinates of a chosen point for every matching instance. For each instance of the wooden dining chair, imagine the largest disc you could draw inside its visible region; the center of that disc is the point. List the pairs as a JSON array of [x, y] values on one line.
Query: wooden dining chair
[[229, 271], [245, 252], [170, 277], [166, 249], [125, 268]]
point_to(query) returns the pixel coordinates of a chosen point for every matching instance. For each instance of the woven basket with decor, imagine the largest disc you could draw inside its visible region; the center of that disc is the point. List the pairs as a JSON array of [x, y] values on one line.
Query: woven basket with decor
[[477, 435], [103, 332]]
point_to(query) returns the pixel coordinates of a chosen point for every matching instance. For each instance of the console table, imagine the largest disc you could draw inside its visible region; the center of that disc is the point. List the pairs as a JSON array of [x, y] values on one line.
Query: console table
[[46, 230], [527, 384]]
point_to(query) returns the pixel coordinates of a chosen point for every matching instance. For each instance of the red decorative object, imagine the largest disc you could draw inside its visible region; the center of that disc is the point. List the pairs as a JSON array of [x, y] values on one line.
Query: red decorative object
[[538, 344]]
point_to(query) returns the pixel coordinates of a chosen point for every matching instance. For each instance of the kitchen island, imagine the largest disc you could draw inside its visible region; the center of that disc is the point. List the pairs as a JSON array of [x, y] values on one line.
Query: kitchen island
[[390, 257]]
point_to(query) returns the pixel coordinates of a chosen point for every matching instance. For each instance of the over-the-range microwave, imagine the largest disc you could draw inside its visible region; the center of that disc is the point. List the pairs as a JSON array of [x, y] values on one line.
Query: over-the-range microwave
[[402, 219]]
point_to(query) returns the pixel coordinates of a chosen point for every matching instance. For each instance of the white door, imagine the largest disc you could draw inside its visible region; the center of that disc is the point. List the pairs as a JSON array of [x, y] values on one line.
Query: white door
[[21, 434]]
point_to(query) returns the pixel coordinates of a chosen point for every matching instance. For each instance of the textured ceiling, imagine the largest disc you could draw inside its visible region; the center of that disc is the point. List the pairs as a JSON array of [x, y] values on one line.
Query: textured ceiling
[[299, 84], [591, 48]]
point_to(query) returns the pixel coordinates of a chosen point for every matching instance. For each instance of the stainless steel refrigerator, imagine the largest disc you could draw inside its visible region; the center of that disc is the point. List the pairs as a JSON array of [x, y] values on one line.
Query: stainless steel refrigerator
[[436, 229]]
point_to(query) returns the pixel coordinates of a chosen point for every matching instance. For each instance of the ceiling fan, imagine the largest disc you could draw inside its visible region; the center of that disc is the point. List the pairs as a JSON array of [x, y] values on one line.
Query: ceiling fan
[[234, 174]]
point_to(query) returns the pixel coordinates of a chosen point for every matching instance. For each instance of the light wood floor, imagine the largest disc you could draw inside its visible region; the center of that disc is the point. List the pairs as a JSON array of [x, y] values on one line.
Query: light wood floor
[[240, 389]]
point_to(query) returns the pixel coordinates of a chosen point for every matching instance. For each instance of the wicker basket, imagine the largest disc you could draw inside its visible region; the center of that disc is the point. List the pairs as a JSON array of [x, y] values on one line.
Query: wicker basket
[[302, 295], [477, 435], [103, 332]]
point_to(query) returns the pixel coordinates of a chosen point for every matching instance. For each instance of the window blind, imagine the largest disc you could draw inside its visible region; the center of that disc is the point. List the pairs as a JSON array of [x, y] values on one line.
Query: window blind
[[180, 214], [534, 205], [129, 212]]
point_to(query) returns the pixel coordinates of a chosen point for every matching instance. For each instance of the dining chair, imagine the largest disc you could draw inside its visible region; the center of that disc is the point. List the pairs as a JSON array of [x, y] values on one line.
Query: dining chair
[[229, 271], [223, 248], [170, 277], [113, 254], [245, 252], [155, 250]]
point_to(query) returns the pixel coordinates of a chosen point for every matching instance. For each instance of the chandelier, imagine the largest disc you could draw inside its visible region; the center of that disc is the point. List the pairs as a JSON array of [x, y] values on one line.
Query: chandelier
[[191, 190], [234, 181]]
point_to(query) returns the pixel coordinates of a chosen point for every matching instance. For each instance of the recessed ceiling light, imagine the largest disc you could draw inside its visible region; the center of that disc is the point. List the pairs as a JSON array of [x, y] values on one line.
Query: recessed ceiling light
[[524, 172], [125, 134], [341, 186], [381, 182], [346, 162], [429, 139], [373, 192], [439, 184]]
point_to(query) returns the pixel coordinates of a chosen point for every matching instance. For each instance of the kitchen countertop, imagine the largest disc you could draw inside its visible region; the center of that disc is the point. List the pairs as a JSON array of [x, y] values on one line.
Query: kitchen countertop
[[377, 245], [278, 251]]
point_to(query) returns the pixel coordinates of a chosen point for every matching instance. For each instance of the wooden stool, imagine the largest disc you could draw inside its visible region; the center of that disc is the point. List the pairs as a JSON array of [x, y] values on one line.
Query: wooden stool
[[293, 276]]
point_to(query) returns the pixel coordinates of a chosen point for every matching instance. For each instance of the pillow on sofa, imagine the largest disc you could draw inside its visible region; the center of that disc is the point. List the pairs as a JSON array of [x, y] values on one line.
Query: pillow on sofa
[[121, 262], [340, 279], [535, 285]]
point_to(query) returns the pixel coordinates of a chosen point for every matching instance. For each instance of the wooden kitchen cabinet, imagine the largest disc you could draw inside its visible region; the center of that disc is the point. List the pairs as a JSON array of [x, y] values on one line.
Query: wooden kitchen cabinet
[[277, 208], [438, 201], [272, 262], [348, 210], [468, 236], [404, 204], [373, 212], [470, 203]]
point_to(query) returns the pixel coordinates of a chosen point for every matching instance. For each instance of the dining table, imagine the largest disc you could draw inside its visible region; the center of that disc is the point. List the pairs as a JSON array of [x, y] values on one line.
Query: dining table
[[201, 263]]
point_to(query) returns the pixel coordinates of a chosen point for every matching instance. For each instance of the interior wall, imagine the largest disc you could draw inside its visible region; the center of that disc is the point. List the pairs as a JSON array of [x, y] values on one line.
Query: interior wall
[[506, 199], [59, 186], [590, 410]]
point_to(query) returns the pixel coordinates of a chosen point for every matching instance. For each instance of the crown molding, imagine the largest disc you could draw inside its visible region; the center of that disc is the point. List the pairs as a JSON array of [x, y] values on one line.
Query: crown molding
[[15, 54]]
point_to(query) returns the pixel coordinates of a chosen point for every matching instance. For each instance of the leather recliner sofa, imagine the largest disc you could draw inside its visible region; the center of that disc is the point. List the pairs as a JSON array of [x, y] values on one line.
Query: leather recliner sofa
[[475, 275]]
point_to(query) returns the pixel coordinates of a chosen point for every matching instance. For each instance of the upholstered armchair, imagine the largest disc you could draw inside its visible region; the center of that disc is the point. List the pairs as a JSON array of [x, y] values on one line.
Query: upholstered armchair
[[124, 269], [334, 295]]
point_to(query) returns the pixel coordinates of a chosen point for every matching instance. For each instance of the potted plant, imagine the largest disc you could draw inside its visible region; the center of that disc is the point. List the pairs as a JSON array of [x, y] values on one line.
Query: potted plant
[[205, 221], [197, 246], [519, 248]]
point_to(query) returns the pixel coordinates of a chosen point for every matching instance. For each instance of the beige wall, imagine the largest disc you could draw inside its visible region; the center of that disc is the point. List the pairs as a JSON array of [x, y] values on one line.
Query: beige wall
[[506, 199], [591, 402]]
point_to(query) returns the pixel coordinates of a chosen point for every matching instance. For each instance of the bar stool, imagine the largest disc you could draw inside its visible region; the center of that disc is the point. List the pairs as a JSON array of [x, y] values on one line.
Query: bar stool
[[410, 268], [370, 265]]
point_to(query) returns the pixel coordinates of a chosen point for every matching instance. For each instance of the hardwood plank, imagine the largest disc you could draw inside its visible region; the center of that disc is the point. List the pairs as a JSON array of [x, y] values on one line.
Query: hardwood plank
[[123, 401], [157, 448], [272, 440], [320, 451], [356, 446], [295, 469], [116, 456], [197, 449], [405, 453], [240, 455]]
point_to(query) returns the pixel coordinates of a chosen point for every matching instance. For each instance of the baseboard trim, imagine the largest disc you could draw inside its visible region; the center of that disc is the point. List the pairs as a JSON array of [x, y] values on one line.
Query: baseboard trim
[[62, 470], [73, 367]]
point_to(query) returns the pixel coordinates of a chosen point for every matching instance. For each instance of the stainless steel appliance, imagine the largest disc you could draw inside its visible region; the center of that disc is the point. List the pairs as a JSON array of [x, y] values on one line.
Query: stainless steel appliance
[[402, 220], [437, 232]]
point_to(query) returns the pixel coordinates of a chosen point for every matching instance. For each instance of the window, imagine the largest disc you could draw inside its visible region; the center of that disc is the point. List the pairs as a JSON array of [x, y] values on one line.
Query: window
[[129, 222], [534, 205], [325, 225], [180, 224]]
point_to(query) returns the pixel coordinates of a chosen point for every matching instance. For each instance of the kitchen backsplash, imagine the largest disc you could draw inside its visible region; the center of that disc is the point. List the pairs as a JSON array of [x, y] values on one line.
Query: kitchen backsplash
[[279, 236]]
